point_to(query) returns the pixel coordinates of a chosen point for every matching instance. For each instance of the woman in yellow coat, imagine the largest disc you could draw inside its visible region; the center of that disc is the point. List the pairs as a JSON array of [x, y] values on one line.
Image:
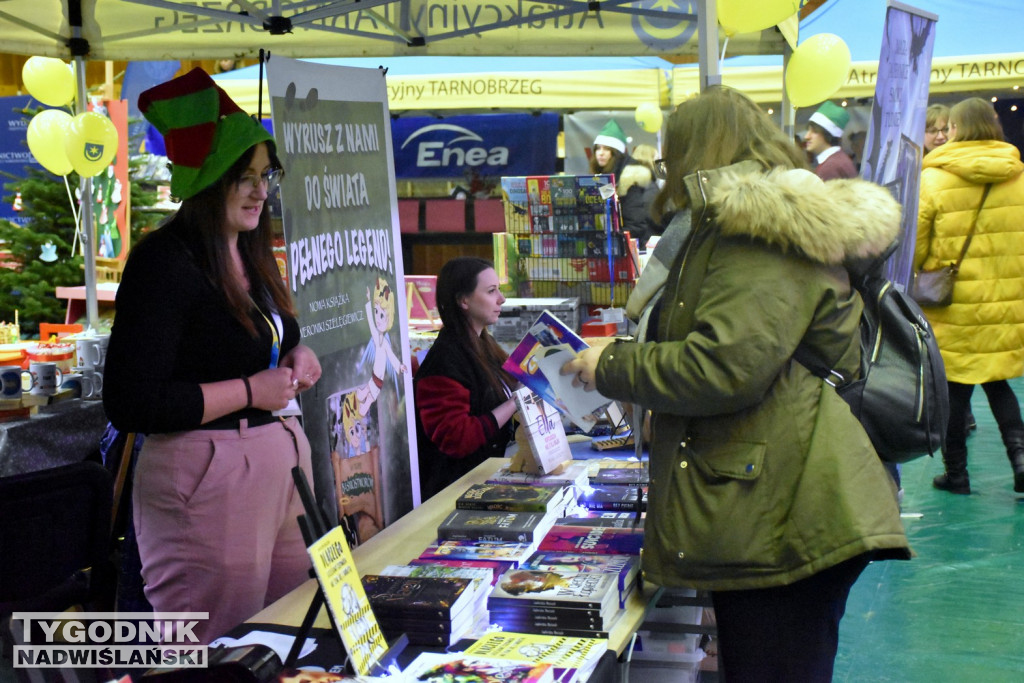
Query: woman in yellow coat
[[981, 334]]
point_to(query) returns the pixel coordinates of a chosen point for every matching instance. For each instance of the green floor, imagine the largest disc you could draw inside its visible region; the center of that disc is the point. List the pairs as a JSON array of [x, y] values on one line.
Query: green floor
[[956, 611]]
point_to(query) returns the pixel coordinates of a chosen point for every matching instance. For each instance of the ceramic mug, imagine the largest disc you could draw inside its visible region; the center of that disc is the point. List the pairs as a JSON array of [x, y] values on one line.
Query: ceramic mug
[[92, 383], [11, 378], [44, 377], [89, 351]]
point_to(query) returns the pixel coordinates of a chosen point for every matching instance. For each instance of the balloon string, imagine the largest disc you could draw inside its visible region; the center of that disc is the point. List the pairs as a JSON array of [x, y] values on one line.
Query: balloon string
[[74, 214], [725, 44]]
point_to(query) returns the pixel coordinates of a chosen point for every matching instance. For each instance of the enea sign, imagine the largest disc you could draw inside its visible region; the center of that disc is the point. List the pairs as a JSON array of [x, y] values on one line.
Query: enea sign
[[483, 145]]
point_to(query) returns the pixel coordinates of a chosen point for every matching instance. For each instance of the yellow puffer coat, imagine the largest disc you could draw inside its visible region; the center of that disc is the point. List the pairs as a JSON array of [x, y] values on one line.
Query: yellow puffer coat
[[981, 334]]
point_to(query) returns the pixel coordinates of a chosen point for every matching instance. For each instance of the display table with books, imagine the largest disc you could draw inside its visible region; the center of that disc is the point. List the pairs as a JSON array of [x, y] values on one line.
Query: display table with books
[[407, 538]]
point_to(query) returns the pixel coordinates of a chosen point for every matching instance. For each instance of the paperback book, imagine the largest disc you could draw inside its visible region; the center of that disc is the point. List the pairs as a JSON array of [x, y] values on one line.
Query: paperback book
[[418, 597], [581, 654], [600, 540], [485, 525], [602, 518], [489, 551], [537, 361], [496, 567], [621, 475], [541, 432], [434, 667], [625, 568], [526, 587], [614, 497], [519, 619], [512, 498], [576, 474]]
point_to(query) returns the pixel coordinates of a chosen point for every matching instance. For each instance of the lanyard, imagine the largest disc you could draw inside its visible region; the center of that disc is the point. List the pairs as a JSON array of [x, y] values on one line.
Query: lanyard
[[275, 348]]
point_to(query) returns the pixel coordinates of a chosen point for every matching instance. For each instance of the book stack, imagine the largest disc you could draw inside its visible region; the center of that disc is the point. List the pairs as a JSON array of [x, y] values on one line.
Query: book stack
[[556, 602], [435, 667], [623, 474], [574, 659], [626, 568], [434, 611], [481, 578]]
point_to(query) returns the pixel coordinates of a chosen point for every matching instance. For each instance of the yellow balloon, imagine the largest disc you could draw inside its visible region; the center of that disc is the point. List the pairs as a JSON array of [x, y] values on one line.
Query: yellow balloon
[[648, 116], [91, 143], [818, 68], [46, 134], [748, 16], [49, 80]]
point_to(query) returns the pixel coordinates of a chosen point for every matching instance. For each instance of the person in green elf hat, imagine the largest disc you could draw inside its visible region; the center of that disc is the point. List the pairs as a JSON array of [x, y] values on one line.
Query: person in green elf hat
[[204, 349], [824, 132], [632, 180]]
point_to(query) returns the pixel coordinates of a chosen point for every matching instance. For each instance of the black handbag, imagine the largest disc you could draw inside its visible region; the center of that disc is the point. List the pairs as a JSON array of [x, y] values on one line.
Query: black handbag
[[934, 288]]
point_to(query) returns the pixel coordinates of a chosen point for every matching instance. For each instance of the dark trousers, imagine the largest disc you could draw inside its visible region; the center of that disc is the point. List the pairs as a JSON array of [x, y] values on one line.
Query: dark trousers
[[1002, 401], [784, 634]]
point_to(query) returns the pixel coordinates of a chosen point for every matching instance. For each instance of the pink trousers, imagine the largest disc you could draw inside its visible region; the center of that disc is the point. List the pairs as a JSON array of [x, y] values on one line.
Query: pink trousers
[[215, 515]]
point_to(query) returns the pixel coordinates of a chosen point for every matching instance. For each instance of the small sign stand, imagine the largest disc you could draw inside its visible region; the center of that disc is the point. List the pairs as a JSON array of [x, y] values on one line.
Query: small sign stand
[[339, 587]]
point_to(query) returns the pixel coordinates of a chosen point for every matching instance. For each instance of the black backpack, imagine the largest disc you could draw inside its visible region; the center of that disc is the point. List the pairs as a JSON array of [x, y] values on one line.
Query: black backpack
[[901, 397]]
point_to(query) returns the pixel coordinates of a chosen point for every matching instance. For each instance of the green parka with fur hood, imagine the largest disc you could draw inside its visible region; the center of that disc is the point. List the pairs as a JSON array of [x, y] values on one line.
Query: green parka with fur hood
[[760, 474]]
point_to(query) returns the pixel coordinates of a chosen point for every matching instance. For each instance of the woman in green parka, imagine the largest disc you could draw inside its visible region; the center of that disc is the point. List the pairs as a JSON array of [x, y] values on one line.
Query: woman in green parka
[[764, 488]]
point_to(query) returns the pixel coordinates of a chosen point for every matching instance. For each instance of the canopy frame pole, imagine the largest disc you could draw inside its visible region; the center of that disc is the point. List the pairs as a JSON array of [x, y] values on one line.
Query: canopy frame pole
[[707, 44]]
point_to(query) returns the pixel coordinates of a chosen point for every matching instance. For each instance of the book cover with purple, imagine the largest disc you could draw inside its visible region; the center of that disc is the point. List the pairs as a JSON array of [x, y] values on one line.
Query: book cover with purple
[[613, 497], [501, 551], [527, 587], [598, 540], [537, 360], [493, 525]]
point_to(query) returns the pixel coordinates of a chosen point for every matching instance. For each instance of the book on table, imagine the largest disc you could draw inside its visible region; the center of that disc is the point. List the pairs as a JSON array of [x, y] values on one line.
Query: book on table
[[497, 567], [537, 361], [490, 525], [614, 497], [625, 568], [601, 540], [418, 597], [581, 654], [473, 551], [514, 498], [614, 518], [577, 474], [621, 475], [435, 667], [482, 578], [524, 588]]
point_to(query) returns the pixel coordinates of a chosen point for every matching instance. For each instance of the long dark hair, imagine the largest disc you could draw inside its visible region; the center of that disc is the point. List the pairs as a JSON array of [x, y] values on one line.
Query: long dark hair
[[200, 220], [458, 279]]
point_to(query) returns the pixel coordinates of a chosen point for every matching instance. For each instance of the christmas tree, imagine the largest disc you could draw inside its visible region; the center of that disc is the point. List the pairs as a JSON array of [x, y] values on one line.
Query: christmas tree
[[29, 284]]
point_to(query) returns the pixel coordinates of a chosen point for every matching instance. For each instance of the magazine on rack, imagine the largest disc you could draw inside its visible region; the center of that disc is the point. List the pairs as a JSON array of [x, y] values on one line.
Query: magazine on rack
[[537, 360]]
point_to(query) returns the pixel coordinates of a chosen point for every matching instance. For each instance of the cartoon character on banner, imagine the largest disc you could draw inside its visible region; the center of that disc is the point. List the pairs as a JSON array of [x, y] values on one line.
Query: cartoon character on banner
[[106, 195], [380, 313]]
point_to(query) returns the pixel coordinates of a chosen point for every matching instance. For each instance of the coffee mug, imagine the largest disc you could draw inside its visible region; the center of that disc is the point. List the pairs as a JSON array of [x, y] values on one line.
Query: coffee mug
[[92, 383], [44, 377], [73, 383], [10, 377], [89, 352]]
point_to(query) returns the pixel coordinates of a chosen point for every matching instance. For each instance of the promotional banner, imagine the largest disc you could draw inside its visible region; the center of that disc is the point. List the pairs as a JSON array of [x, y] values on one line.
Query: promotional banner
[[14, 154], [344, 270], [893, 148], [482, 144]]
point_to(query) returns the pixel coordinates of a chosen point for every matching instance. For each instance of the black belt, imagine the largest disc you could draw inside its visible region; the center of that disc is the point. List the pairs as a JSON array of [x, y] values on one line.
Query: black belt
[[256, 418]]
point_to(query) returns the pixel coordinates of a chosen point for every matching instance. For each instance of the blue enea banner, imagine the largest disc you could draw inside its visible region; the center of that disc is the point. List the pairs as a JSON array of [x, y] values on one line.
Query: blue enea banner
[[14, 153], [480, 144]]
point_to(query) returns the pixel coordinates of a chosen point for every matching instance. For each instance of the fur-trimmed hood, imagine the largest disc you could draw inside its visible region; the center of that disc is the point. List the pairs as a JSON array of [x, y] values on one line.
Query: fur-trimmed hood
[[633, 175], [834, 222]]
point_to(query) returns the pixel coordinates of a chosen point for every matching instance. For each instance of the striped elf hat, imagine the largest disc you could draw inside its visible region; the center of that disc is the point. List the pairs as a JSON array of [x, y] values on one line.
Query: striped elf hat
[[204, 131]]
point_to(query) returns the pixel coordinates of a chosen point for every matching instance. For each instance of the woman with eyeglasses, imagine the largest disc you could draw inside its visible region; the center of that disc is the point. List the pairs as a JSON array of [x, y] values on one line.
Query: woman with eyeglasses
[[204, 348], [973, 185], [936, 126]]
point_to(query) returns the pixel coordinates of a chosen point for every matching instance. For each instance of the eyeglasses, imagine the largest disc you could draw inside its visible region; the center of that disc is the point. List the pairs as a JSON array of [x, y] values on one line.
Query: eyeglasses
[[271, 178], [936, 131], [660, 167]]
